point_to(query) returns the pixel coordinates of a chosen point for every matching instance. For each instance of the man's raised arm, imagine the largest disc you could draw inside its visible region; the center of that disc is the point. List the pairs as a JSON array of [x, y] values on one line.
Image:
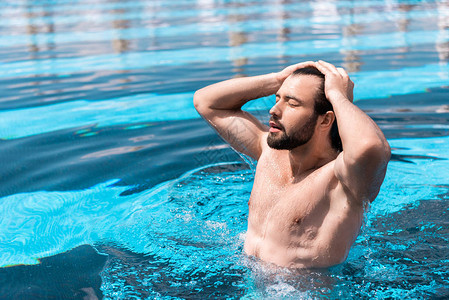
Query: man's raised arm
[[220, 104], [362, 165]]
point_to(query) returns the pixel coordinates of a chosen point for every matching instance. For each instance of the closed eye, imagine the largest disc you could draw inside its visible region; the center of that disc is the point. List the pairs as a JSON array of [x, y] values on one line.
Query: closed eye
[[293, 103]]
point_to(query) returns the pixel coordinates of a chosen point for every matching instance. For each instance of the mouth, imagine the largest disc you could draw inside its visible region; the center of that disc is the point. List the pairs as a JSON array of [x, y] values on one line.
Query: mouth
[[274, 127]]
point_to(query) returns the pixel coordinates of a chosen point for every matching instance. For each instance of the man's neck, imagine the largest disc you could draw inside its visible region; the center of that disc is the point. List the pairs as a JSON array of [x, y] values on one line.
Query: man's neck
[[309, 157]]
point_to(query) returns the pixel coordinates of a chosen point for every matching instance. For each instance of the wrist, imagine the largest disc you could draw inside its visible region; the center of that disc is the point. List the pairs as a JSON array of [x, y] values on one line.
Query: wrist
[[337, 97], [274, 78], [279, 77], [272, 82]]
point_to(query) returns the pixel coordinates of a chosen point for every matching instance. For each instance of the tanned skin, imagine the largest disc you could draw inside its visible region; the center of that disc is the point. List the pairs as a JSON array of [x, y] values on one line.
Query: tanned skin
[[307, 203]]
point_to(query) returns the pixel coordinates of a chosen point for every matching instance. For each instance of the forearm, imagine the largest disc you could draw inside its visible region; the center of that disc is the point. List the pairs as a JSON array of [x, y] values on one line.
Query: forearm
[[360, 136], [234, 93]]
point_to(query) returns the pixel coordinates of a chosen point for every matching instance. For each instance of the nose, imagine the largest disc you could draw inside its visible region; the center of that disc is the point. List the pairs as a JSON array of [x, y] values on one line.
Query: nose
[[276, 109]]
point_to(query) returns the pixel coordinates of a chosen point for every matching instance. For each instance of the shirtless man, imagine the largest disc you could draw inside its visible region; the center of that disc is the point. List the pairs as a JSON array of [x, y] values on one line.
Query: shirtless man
[[310, 187]]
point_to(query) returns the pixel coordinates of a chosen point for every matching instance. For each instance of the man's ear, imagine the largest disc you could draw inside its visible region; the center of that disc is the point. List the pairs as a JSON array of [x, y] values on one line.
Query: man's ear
[[327, 120]]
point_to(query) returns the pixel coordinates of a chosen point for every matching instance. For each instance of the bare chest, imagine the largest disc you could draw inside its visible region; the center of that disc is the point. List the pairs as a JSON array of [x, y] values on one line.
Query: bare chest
[[288, 203]]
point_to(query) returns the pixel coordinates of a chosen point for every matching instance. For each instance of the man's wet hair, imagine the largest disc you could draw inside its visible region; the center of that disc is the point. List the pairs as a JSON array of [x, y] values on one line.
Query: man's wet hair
[[322, 105]]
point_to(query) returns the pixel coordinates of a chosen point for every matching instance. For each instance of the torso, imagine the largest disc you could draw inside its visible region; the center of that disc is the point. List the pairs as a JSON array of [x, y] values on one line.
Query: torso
[[309, 221]]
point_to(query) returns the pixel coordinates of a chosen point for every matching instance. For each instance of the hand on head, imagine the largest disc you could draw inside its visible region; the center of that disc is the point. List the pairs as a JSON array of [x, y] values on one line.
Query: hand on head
[[282, 75], [337, 81]]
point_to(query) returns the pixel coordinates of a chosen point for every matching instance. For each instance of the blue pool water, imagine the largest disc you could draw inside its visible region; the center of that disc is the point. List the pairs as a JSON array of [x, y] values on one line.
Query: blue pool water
[[113, 187]]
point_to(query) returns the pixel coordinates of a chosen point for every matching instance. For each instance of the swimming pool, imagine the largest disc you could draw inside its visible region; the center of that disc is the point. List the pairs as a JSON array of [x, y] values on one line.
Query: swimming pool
[[112, 185]]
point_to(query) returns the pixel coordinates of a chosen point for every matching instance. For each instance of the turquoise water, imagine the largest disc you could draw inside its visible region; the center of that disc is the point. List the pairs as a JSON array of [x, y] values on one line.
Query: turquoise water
[[113, 186]]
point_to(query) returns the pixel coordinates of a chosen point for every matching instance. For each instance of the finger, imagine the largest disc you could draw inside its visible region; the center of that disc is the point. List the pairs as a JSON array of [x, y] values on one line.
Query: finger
[[303, 65], [290, 69], [343, 72], [322, 68], [330, 67]]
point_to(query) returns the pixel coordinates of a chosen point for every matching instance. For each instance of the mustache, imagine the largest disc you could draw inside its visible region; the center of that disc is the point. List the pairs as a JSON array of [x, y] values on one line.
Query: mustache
[[275, 120]]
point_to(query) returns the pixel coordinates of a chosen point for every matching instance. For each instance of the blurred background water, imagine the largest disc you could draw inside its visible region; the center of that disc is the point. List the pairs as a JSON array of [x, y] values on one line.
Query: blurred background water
[[113, 187]]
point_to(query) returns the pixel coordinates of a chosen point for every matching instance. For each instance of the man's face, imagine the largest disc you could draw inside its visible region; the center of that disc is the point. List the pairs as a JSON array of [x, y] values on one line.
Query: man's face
[[293, 119]]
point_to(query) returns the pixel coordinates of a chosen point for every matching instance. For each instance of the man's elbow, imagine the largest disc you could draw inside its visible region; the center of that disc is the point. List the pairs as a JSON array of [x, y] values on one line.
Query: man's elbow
[[199, 102], [377, 150], [197, 99], [387, 150]]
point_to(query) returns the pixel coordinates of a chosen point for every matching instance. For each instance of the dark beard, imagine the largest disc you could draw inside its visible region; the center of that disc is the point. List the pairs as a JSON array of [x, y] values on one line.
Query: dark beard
[[282, 141]]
